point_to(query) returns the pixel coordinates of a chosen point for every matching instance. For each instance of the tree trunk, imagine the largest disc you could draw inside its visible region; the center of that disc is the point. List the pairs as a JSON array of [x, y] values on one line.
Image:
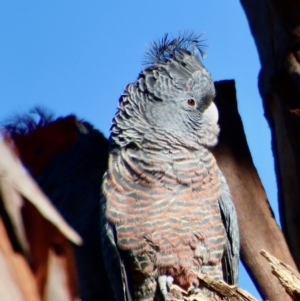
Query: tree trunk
[[275, 26]]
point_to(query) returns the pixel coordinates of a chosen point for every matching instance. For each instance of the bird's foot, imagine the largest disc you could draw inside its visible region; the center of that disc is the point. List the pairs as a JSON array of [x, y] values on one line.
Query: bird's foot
[[193, 290], [164, 283]]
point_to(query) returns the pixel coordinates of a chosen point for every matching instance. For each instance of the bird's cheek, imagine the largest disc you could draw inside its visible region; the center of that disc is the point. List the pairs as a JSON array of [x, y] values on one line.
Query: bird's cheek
[[211, 113]]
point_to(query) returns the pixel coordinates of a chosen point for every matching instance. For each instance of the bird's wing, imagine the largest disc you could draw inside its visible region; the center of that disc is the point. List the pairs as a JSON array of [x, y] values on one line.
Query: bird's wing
[[115, 267], [231, 252]]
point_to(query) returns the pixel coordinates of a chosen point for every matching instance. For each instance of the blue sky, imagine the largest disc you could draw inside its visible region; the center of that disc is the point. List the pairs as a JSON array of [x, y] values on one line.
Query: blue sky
[[77, 56]]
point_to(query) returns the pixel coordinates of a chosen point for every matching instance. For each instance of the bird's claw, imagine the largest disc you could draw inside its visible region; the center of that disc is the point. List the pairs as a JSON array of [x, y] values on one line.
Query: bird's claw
[[164, 283], [193, 290]]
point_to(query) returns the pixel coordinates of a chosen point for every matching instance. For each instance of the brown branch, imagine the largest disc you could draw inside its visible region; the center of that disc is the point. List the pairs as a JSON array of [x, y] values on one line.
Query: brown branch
[[220, 291], [258, 228], [229, 292]]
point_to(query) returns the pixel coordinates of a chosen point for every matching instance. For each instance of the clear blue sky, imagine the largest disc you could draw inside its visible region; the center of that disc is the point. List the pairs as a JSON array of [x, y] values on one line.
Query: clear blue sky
[[77, 56]]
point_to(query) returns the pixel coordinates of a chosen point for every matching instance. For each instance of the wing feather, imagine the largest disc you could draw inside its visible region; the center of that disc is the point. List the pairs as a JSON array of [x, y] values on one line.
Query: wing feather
[[231, 253]]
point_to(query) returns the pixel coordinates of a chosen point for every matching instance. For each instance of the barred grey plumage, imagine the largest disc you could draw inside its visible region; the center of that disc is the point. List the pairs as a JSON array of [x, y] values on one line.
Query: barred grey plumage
[[168, 209]]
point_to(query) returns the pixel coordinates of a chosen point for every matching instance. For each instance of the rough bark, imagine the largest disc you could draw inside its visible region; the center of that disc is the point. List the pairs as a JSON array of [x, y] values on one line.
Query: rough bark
[[221, 291], [275, 26], [258, 228], [228, 292], [288, 277]]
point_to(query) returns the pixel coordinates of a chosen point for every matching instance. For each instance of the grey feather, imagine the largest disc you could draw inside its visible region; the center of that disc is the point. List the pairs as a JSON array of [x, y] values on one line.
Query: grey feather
[[231, 254], [161, 88], [163, 192], [113, 261], [165, 49]]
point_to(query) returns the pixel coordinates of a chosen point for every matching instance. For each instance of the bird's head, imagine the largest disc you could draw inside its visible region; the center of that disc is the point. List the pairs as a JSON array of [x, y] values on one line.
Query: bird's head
[[171, 103]]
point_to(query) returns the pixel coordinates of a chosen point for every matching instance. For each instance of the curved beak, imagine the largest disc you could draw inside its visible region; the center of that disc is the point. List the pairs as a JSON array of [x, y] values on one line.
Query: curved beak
[[211, 113]]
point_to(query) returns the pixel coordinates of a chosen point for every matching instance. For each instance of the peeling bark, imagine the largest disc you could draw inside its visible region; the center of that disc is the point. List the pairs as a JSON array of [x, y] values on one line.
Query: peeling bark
[[288, 277]]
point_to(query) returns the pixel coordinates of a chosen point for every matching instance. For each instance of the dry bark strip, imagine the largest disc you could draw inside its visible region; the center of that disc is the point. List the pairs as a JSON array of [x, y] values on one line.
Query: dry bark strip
[[227, 292], [288, 277], [222, 291]]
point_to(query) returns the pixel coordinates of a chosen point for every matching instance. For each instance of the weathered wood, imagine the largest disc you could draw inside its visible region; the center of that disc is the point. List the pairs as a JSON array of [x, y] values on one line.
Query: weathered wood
[[275, 26], [228, 292], [220, 289], [258, 228], [288, 277]]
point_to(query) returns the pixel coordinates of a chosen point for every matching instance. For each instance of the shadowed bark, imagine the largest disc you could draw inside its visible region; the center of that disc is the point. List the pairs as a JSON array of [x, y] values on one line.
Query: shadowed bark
[[258, 228], [275, 26]]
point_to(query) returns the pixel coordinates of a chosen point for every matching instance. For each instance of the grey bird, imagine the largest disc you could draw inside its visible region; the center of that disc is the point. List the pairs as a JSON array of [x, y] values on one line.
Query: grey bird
[[167, 212]]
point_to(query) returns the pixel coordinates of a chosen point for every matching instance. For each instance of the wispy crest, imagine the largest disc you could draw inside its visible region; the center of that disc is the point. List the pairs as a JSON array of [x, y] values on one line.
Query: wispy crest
[[163, 50]]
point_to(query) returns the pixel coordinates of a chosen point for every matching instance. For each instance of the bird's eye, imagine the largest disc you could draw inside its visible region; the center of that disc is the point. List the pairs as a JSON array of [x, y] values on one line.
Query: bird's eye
[[191, 102]]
